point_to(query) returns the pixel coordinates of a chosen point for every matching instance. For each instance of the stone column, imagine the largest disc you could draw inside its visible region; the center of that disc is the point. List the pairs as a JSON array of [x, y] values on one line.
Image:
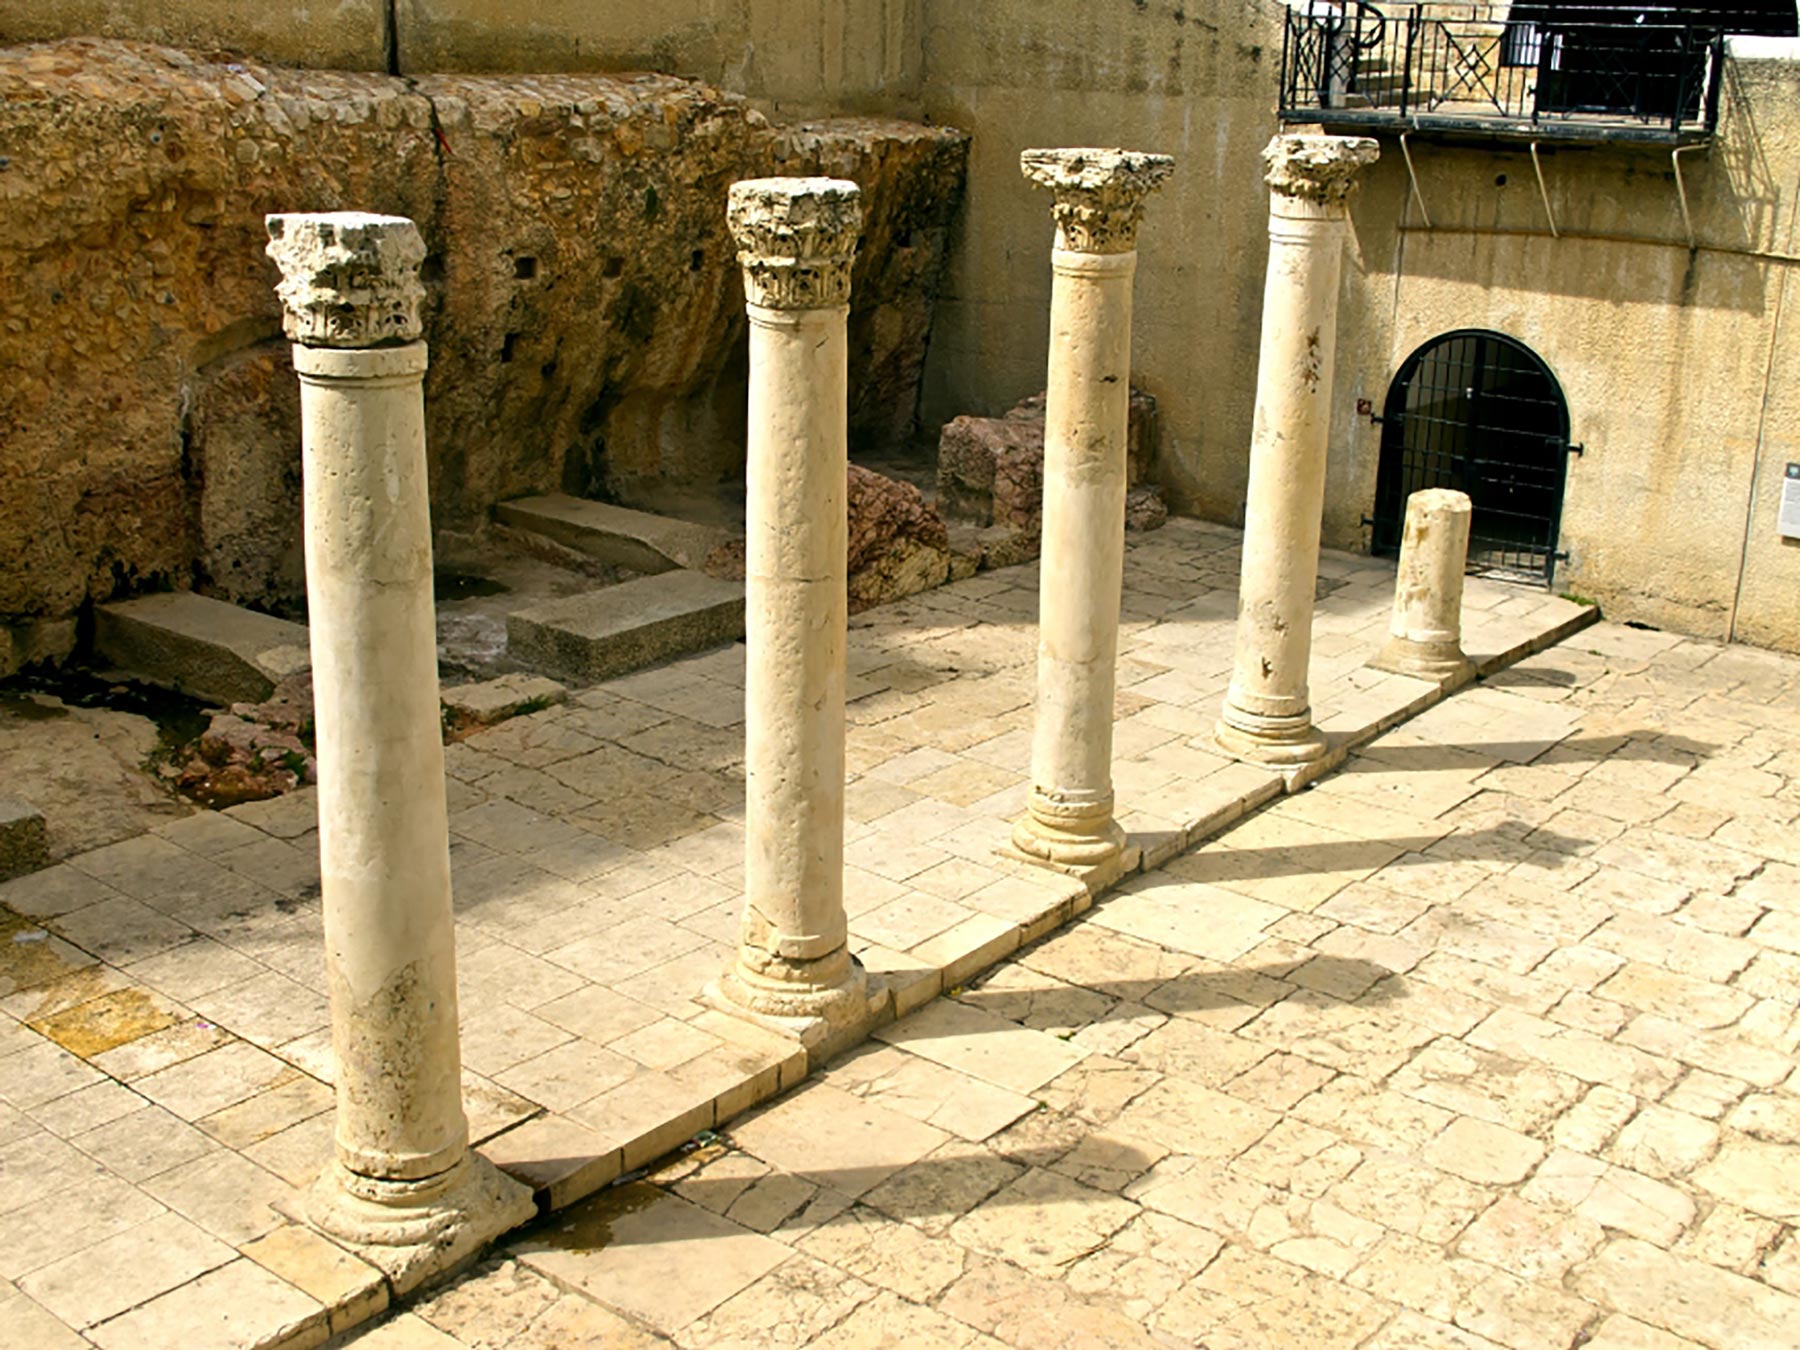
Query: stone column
[[796, 238], [404, 1186], [1099, 200], [1425, 637], [1268, 717]]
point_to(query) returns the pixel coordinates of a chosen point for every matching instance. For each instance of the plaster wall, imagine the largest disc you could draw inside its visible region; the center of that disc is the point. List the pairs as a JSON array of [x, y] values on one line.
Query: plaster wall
[[1191, 78], [1672, 358], [805, 57]]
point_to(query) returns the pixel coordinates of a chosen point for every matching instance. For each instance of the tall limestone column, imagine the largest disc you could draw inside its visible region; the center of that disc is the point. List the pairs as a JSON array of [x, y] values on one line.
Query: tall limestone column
[[796, 240], [1268, 716], [404, 1186], [1099, 202]]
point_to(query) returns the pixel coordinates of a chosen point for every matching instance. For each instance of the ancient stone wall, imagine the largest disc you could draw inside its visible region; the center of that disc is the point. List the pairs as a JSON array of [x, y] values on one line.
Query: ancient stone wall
[[583, 306]]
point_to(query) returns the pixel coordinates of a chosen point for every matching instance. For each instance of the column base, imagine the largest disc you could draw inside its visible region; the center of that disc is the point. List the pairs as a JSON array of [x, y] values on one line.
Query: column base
[[413, 1231], [1439, 663], [1069, 841], [824, 1003], [1279, 742]]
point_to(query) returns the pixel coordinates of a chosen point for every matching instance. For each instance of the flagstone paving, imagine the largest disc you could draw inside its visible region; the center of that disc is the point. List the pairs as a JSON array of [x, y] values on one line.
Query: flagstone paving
[[1489, 1040], [165, 1061]]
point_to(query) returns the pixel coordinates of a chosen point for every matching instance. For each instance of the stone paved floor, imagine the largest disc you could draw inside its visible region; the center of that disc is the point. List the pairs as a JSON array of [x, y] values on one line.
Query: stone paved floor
[[164, 1059], [1489, 1040]]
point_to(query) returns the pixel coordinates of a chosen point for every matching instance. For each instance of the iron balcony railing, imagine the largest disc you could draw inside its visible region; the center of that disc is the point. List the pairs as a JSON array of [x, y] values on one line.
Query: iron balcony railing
[[1494, 67]]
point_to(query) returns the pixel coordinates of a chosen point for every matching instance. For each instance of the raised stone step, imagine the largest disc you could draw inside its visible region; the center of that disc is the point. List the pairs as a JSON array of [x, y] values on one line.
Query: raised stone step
[[201, 646], [615, 534], [603, 633]]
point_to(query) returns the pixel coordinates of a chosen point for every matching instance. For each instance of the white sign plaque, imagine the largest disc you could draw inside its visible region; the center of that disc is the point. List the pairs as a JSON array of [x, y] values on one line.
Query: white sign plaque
[[1790, 503]]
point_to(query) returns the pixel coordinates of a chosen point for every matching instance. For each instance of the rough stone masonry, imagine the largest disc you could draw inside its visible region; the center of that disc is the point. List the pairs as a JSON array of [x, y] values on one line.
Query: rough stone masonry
[[582, 304]]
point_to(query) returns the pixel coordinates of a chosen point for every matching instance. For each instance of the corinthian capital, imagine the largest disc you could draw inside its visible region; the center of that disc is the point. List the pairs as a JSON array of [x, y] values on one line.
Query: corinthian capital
[[796, 239], [1319, 169], [348, 279], [1099, 194]]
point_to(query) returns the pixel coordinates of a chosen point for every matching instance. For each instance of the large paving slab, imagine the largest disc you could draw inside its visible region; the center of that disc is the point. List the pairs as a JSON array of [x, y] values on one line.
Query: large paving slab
[[640, 540], [163, 1013], [201, 646], [616, 629], [1522, 1076]]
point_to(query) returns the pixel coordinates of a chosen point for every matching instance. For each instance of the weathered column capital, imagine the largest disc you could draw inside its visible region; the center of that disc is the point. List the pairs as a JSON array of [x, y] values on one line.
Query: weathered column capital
[[348, 278], [1318, 169], [796, 239], [1099, 193]]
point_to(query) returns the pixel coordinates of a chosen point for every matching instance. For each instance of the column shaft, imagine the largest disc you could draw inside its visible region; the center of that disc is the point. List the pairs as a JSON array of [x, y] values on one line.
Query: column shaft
[[1268, 715], [795, 601], [383, 831], [1086, 406]]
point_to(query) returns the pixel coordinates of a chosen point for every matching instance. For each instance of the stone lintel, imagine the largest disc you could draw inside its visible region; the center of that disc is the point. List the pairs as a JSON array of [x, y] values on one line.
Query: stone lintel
[[1316, 168], [348, 278], [796, 239], [1099, 193]]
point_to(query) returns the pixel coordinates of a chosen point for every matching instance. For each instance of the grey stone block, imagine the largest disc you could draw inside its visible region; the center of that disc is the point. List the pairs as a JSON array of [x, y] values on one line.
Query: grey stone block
[[615, 534], [609, 632], [201, 646]]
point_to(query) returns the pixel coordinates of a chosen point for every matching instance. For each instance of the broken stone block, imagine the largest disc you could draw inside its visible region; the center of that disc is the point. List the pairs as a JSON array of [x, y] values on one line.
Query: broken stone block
[[971, 452], [255, 751], [24, 844], [1140, 430], [897, 543], [1145, 509], [489, 701], [991, 469]]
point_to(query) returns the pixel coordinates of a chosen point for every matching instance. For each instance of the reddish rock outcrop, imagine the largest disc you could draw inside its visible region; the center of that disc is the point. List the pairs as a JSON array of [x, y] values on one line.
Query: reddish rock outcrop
[[991, 470], [897, 543]]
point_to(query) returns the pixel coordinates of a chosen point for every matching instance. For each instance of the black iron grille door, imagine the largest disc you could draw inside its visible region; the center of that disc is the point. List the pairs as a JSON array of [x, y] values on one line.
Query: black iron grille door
[[1480, 413]]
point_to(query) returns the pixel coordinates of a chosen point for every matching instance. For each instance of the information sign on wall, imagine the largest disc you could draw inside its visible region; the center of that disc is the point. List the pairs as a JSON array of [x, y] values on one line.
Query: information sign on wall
[[1790, 503]]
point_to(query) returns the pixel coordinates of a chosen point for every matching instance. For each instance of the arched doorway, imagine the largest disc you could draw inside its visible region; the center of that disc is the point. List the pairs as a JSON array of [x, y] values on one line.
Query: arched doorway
[[1481, 413]]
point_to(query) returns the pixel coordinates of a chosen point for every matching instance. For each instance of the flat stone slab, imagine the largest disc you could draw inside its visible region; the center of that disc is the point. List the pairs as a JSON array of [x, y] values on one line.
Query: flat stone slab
[[609, 632], [615, 534], [24, 845], [201, 646], [488, 701]]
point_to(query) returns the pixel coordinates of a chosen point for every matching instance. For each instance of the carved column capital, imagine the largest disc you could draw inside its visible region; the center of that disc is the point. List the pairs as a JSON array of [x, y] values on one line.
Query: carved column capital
[[1319, 169], [796, 239], [1099, 193], [348, 278]]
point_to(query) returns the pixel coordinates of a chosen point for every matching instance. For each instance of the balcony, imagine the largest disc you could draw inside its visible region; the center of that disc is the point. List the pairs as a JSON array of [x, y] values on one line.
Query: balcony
[[1502, 71]]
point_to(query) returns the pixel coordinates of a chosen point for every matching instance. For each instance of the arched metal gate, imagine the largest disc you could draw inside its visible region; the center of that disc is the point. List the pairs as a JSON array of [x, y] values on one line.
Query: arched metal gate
[[1481, 413]]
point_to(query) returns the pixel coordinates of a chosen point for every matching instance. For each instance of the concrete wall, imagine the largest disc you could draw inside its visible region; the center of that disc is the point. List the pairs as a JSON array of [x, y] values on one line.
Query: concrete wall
[[327, 34], [1191, 78], [1672, 359], [804, 57], [799, 57]]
